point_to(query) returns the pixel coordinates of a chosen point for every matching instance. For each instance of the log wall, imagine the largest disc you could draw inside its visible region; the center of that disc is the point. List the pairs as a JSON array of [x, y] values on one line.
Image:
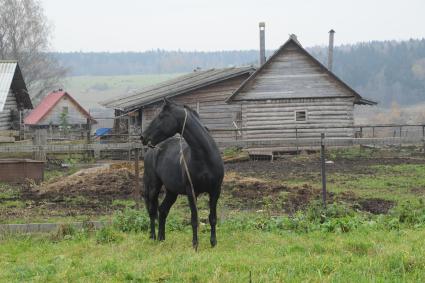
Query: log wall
[[9, 111], [322, 114]]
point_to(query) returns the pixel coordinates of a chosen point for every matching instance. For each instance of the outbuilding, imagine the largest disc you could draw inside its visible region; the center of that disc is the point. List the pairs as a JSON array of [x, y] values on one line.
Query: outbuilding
[[204, 90], [14, 97], [59, 112], [297, 94]]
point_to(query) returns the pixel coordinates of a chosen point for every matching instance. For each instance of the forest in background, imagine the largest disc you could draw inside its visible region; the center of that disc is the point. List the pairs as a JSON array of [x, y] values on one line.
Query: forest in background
[[385, 71]]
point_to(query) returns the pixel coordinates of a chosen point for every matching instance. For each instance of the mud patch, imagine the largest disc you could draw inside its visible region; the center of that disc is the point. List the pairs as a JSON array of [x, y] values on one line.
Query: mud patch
[[255, 193], [376, 205]]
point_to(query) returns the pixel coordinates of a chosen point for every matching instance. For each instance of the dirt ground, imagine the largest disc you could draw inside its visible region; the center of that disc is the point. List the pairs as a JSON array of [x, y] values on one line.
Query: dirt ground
[[247, 185]]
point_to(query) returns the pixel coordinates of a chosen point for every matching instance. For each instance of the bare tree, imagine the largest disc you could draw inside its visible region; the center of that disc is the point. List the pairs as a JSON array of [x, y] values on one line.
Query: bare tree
[[24, 36]]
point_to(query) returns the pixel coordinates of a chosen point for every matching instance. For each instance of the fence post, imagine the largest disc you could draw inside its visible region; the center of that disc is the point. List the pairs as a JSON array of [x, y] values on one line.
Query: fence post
[[137, 193], [296, 138], [40, 139], [323, 167], [423, 137], [400, 136], [88, 130]]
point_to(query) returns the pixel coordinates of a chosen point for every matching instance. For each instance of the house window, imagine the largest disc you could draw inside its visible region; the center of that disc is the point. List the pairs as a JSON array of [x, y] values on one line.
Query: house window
[[300, 116]]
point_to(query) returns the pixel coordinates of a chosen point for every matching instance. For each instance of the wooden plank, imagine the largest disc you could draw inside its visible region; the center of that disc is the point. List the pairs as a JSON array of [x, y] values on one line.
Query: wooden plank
[[4, 139]]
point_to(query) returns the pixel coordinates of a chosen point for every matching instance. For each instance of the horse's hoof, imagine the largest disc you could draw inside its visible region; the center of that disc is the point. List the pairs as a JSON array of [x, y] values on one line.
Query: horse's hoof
[[195, 246], [213, 242], [152, 237], [161, 239]]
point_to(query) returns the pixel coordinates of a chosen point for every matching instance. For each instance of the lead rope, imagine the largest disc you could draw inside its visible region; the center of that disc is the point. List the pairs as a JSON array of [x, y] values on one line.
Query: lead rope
[[182, 158]]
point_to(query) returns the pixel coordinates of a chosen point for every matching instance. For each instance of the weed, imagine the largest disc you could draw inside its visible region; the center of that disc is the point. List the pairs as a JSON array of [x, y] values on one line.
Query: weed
[[131, 220], [107, 235]]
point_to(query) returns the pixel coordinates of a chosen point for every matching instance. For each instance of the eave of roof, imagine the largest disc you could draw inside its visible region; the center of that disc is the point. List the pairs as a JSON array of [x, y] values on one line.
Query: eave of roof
[[174, 87], [359, 99]]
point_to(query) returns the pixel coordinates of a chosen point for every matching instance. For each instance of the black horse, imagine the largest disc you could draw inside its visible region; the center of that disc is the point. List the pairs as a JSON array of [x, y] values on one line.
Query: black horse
[[164, 165]]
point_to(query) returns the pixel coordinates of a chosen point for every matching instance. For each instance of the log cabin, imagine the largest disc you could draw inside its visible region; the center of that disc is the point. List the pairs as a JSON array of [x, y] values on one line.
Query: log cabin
[[296, 93], [14, 97], [204, 90]]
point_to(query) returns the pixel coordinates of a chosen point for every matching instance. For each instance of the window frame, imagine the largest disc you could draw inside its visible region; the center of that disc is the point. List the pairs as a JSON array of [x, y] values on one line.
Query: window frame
[[305, 116]]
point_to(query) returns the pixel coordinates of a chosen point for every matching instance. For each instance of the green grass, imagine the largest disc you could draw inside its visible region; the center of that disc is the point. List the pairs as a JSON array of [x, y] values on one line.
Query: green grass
[[392, 182], [360, 256], [89, 90]]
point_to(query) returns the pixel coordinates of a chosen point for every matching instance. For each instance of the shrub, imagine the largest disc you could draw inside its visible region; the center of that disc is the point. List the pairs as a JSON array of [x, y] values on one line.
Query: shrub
[[107, 235], [131, 220], [64, 232]]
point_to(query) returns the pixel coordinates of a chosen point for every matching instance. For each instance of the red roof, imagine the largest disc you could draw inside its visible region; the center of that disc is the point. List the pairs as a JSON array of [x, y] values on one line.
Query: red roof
[[48, 103]]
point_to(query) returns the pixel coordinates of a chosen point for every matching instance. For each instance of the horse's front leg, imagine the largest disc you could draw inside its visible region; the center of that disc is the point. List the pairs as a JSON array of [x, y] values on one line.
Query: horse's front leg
[[166, 204], [213, 217], [153, 212], [194, 217]]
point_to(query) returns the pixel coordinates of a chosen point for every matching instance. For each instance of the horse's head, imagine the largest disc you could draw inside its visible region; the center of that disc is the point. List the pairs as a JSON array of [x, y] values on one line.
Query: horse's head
[[166, 124]]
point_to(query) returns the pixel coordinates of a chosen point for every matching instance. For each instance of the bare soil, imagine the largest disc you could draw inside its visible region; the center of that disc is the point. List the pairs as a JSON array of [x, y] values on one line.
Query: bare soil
[[249, 184]]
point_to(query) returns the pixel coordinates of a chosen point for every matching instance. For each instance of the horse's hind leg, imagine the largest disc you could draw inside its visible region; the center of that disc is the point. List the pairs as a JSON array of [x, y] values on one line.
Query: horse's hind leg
[[152, 191], [213, 217], [194, 217], [166, 204]]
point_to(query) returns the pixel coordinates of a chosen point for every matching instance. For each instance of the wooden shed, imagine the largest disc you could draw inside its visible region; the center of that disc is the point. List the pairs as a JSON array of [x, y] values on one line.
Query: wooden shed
[[56, 109], [294, 90], [204, 91], [14, 97]]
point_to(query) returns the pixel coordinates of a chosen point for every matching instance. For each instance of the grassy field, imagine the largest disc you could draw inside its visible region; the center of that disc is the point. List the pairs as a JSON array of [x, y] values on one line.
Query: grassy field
[[272, 228], [89, 90], [360, 256]]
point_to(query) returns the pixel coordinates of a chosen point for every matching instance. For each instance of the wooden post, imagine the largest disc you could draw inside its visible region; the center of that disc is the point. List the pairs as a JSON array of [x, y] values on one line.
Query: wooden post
[[423, 138], [400, 136], [88, 130], [296, 138], [137, 192], [40, 139], [323, 167]]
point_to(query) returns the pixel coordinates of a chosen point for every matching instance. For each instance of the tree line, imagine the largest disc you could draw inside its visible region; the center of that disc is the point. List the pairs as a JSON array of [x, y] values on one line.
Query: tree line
[[386, 71]]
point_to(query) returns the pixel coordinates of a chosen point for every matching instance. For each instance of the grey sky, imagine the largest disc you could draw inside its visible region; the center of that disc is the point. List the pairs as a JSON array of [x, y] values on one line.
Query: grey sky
[[139, 25]]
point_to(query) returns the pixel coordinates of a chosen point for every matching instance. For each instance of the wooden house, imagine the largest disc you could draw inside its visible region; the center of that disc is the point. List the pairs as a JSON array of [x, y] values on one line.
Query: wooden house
[[57, 110], [14, 97], [294, 92], [204, 91]]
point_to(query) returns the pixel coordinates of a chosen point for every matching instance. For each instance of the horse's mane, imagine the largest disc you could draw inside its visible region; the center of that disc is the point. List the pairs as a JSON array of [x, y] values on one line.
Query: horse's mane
[[196, 115], [191, 110]]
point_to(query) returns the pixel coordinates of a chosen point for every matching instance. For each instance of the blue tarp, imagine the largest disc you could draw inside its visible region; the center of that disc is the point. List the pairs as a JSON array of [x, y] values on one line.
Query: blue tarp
[[102, 131]]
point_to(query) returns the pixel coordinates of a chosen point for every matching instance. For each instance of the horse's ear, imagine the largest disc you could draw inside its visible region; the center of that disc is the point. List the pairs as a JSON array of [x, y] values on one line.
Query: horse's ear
[[166, 103]]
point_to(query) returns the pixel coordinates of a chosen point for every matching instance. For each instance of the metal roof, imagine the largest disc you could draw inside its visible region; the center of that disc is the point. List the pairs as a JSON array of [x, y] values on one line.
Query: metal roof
[[11, 78], [173, 87], [48, 103], [293, 39]]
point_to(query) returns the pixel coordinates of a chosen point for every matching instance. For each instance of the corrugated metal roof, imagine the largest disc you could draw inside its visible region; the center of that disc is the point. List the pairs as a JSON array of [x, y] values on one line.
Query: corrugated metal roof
[[11, 78], [7, 72], [173, 87], [48, 103]]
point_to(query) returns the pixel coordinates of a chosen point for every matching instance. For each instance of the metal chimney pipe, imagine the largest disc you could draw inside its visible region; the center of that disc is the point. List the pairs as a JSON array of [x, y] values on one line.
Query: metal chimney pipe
[[262, 27], [331, 49]]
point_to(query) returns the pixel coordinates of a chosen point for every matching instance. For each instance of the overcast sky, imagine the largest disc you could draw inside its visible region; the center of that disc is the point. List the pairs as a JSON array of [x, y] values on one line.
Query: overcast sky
[[139, 25]]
